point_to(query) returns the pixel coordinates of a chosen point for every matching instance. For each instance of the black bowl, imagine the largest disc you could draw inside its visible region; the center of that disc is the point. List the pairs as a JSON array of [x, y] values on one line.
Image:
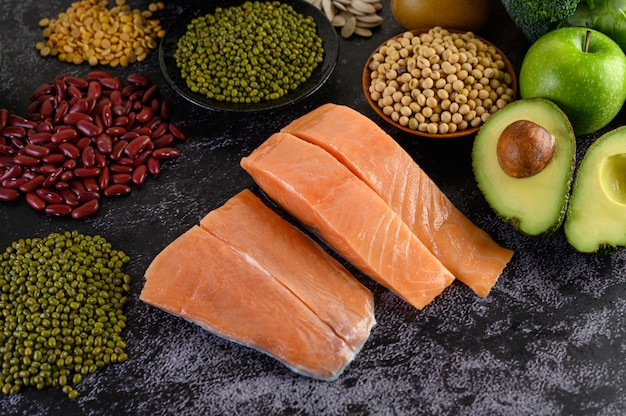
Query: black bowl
[[320, 75]]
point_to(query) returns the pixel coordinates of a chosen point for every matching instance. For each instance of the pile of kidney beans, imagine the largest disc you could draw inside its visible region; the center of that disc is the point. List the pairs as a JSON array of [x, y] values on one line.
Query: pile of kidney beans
[[85, 139]]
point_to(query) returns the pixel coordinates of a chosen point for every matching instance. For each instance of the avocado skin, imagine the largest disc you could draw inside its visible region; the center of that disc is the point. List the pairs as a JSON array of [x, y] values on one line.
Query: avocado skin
[[596, 216], [534, 206]]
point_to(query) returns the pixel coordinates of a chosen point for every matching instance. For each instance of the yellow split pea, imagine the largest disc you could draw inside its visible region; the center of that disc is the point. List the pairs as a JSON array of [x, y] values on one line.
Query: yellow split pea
[[89, 31]]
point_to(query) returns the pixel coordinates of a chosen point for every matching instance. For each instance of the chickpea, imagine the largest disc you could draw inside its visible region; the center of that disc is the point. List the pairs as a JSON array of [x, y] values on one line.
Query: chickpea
[[439, 81]]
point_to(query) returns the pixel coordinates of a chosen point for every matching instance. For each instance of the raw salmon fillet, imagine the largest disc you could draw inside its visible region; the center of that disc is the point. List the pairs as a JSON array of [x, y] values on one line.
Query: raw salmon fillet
[[298, 263], [323, 194], [375, 157], [236, 294]]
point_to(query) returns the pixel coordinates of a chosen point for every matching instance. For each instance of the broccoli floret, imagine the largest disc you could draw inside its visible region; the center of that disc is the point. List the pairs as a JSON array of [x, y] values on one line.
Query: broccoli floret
[[536, 18]]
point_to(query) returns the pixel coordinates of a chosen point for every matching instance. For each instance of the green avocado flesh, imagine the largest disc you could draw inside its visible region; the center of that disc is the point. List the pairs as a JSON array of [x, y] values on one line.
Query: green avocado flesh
[[534, 205], [596, 217]]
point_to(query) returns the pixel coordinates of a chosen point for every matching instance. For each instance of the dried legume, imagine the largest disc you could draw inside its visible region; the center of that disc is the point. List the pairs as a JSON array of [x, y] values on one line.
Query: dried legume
[[440, 81], [255, 52], [74, 145], [88, 31], [62, 299]]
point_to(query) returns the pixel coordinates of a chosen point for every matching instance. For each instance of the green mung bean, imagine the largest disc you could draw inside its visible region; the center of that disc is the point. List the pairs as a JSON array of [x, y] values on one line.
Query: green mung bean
[[49, 323], [255, 52]]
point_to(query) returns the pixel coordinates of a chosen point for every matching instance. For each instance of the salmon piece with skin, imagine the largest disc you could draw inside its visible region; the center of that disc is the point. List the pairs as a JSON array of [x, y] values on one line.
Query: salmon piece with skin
[[298, 263], [323, 194], [234, 291], [375, 157]]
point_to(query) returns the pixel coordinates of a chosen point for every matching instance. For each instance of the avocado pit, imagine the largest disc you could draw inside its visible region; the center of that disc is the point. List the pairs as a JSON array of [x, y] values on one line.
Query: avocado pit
[[524, 149]]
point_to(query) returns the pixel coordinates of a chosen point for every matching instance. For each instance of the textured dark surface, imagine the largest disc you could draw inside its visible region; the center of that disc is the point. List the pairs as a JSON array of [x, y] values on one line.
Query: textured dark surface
[[550, 339]]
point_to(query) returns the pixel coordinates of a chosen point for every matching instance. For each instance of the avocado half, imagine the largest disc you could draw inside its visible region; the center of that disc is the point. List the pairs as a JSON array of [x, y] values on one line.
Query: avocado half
[[535, 205], [596, 217]]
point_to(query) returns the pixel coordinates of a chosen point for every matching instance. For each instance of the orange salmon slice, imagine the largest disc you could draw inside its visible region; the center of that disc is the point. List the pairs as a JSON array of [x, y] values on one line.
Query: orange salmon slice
[[377, 159], [298, 263], [233, 290], [323, 194]]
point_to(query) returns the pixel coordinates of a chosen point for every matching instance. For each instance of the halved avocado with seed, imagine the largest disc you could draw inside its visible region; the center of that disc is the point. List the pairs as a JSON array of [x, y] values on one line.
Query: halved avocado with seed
[[523, 159], [596, 217]]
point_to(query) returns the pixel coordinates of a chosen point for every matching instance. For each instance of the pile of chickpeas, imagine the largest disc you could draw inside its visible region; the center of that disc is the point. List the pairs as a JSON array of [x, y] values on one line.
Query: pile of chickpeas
[[439, 81]]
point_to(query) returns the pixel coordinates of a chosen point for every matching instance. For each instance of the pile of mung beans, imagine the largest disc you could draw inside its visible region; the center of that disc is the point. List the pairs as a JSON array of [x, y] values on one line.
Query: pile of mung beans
[[88, 31], [440, 81], [255, 52], [62, 299], [84, 139]]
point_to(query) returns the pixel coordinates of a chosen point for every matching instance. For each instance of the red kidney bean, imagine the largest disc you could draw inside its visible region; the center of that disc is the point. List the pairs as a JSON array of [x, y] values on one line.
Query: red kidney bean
[[26, 160], [103, 179], [138, 79], [88, 157], [145, 114], [176, 131], [70, 164], [104, 144], [11, 132], [49, 196], [129, 135], [165, 153], [142, 157], [159, 130], [87, 172], [94, 89], [80, 106], [29, 174], [47, 109], [74, 92], [41, 137], [87, 196], [61, 111], [12, 172], [117, 190], [66, 176], [125, 161], [64, 135], [45, 126], [32, 184], [137, 145], [97, 75], [69, 197], [73, 118], [112, 83], [154, 166], [120, 178], [121, 121], [116, 131], [7, 150], [35, 150], [100, 160], [139, 174], [85, 210], [18, 121], [13, 183], [83, 142], [77, 187], [91, 184], [107, 115], [116, 98], [54, 158], [88, 128], [119, 168], [35, 202], [58, 209], [76, 82], [8, 194], [41, 90], [69, 150], [150, 93], [61, 185], [118, 149], [4, 117], [53, 177], [163, 141]]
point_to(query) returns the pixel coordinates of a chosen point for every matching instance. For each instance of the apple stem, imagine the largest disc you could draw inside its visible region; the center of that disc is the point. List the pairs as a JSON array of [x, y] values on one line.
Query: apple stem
[[587, 37]]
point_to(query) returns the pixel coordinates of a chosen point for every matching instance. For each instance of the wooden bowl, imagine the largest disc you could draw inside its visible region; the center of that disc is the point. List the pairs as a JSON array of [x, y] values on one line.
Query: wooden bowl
[[366, 82]]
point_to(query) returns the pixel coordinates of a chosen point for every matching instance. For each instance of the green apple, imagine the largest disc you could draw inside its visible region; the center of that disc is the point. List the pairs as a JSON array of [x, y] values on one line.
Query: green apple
[[581, 70]]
